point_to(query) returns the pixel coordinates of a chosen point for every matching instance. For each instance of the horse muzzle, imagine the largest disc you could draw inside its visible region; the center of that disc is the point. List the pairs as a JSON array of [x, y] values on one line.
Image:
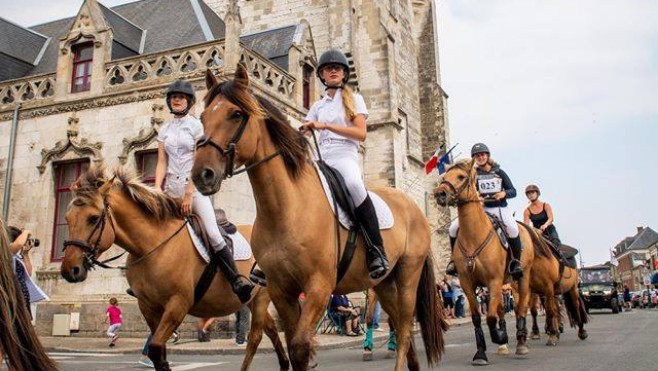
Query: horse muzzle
[[207, 180], [74, 273]]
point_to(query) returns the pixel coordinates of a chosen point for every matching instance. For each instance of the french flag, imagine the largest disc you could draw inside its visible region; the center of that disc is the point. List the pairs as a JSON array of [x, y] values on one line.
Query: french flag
[[439, 163]]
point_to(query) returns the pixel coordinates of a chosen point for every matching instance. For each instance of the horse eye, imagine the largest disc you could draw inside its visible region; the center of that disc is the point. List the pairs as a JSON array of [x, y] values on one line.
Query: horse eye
[[92, 220], [461, 177], [236, 115]]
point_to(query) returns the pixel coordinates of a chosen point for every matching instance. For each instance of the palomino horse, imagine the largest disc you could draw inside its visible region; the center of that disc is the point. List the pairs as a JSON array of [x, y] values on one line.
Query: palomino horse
[[19, 343], [481, 260], [295, 232], [547, 280], [148, 224]]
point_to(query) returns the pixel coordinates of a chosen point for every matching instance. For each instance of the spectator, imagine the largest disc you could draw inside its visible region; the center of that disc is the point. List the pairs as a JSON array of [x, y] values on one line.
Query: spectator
[[113, 315], [484, 300], [627, 298], [377, 312], [341, 305], [241, 325], [446, 293], [21, 243], [202, 327], [144, 358], [457, 297]]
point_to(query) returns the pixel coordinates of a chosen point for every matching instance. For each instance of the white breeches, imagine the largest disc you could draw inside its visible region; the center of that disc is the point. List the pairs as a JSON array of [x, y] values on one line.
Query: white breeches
[[501, 213], [344, 157], [202, 207]]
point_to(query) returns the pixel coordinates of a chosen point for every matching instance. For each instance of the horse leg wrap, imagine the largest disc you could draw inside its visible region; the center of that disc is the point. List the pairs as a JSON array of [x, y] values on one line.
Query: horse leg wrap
[[502, 325], [496, 335], [368, 343], [392, 341], [479, 339], [521, 331]]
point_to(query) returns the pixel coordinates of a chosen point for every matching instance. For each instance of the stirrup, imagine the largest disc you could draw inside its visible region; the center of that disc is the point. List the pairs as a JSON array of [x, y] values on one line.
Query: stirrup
[[451, 270], [242, 287], [257, 276], [515, 269], [378, 267]]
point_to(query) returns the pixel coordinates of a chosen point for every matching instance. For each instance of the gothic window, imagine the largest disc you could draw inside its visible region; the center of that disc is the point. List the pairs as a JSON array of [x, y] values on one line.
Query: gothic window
[[82, 59], [307, 87], [146, 163], [65, 174]]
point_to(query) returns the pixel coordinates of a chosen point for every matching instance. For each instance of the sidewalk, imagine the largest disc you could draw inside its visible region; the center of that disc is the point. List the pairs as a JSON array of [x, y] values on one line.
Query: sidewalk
[[192, 346]]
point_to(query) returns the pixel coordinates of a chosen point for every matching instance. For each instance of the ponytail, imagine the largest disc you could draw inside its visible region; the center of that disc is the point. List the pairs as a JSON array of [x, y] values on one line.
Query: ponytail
[[348, 103]]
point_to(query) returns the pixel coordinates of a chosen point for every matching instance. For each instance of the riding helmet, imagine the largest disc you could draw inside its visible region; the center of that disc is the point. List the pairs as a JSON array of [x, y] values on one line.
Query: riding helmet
[[181, 87], [532, 188], [479, 148], [334, 56]]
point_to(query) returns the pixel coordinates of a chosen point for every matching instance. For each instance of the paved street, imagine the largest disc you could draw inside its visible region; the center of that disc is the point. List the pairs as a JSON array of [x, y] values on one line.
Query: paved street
[[617, 342]]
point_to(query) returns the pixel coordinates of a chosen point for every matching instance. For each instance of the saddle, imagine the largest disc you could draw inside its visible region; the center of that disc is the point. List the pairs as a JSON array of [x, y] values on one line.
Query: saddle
[[342, 197], [500, 229]]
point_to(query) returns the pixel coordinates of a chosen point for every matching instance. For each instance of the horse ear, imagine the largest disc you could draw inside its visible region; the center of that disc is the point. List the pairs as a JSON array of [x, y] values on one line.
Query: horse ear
[[104, 186], [75, 185], [241, 75], [211, 79]]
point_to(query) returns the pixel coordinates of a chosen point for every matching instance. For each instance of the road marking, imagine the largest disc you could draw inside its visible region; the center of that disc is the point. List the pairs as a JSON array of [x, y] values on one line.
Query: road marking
[[458, 345], [71, 354], [193, 366]]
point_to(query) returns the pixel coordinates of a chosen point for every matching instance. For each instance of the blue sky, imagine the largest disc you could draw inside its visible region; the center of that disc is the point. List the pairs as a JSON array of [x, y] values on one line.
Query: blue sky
[[564, 92]]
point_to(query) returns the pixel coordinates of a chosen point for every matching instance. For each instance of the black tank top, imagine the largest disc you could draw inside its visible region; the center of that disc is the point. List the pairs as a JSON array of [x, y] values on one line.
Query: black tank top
[[539, 219]]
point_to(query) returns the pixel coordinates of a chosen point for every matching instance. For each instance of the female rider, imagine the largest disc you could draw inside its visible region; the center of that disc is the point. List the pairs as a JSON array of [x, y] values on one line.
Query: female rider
[[176, 143], [494, 187], [540, 214], [340, 117]]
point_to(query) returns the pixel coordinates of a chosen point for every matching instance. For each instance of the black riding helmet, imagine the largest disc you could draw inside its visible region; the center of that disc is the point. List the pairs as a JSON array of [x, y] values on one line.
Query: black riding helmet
[[181, 87], [334, 56], [479, 148]]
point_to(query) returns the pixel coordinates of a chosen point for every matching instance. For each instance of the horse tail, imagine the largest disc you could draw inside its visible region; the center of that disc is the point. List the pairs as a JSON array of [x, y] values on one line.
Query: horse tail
[[18, 340], [577, 316], [429, 313]]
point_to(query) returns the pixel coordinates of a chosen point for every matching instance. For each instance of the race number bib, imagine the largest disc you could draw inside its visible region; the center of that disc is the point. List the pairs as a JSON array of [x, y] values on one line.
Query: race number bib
[[488, 186]]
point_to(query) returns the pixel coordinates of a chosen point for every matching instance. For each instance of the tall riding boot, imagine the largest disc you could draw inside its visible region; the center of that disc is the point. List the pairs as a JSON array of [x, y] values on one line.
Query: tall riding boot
[[451, 269], [376, 255], [515, 264], [240, 285]]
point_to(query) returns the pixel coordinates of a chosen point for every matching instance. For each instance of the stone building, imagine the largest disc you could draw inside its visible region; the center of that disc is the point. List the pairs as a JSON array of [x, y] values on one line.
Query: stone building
[[89, 88]]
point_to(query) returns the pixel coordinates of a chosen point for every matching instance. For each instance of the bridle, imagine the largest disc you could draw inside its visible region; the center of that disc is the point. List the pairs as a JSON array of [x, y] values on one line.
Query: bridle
[[466, 186], [90, 250], [229, 153]]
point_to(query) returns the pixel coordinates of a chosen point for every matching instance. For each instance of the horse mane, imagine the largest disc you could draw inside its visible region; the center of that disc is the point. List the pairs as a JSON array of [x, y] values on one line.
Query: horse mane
[[18, 339], [154, 202], [541, 247], [292, 146]]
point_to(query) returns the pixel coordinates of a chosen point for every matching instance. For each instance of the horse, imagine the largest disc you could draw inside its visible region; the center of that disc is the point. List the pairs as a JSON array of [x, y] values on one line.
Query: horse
[[19, 343], [481, 260], [548, 280], [296, 237], [163, 266]]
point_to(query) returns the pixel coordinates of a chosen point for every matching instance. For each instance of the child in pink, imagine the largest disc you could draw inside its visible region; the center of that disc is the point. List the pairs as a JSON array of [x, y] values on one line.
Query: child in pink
[[113, 314]]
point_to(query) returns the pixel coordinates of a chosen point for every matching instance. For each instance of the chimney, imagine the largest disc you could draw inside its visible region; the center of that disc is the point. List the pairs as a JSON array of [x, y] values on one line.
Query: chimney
[[639, 230], [233, 22]]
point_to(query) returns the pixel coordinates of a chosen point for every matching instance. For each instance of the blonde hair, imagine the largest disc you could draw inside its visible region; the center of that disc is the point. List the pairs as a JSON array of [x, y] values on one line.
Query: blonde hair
[[348, 102]]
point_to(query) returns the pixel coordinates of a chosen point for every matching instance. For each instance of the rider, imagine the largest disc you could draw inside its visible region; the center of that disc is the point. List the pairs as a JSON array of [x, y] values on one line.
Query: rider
[[494, 187], [540, 214], [176, 143], [340, 117]]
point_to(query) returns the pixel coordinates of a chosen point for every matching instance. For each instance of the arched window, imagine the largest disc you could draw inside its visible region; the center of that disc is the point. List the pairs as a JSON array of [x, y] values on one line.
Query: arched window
[[307, 87], [65, 174], [82, 58]]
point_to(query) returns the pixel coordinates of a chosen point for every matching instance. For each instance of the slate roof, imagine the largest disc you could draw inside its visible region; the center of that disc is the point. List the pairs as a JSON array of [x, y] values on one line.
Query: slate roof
[[645, 238], [141, 27]]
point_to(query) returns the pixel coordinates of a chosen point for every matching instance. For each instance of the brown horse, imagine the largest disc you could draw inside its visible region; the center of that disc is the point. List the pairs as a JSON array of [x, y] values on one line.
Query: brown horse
[[547, 280], [295, 232], [19, 343], [148, 224], [481, 260]]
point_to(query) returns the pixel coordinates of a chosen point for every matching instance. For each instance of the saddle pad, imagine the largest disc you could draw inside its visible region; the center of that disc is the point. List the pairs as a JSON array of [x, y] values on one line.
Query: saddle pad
[[384, 213], [500, 230], [241, 248]]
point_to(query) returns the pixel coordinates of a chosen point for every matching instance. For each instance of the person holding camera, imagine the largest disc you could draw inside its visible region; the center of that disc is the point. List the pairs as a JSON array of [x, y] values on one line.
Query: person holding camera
[[21, 243]]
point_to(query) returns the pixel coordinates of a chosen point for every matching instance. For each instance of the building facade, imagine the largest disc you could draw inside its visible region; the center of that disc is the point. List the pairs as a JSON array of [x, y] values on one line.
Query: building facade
[[90, 88], [636, 264]]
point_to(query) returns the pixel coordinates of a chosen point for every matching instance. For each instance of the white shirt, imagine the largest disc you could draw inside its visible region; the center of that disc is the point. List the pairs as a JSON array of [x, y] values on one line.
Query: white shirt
[[331, 111], [179, 137]]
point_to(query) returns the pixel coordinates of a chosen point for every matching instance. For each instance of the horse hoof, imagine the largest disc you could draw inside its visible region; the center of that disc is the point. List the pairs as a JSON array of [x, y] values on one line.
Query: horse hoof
[[367, 355], [522, 350], [390, 354], [480, 362], [551, 342], [502, 350], [535, 337], [583, 335]]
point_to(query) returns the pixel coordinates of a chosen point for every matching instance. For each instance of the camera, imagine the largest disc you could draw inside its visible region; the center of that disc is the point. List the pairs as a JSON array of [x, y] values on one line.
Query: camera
[[35, 241]]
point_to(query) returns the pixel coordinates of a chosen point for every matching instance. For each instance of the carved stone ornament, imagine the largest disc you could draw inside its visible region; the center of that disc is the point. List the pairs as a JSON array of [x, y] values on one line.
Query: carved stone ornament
[[80, 146], [144, 137]]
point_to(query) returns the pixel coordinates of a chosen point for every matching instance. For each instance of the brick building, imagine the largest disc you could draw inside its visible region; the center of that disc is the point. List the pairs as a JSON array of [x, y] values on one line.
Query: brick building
[[634, 257], [90, 88]]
